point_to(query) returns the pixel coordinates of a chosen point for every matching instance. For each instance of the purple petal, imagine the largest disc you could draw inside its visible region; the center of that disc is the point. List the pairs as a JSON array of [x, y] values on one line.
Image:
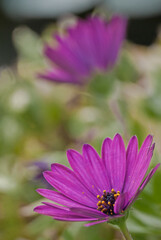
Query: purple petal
[[115, 35], [79, 166], [116, 163], [71, 48], [106, 155], [103, 220], [120, 203], [141, 165], [74, 219], [131, 161], [89, 45], [58, 198], [59, 76], [96, 222], [143, 185], [63, 59], [95, 169], [89, 212], [56, 211], [69, 185]]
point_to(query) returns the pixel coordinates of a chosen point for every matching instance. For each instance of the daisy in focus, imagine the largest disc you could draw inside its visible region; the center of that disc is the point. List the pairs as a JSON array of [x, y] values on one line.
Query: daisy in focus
[[92, 45], [98, 189]]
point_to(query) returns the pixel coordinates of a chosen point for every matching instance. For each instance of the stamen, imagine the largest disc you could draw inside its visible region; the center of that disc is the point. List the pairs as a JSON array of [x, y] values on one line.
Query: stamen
[[107, 201], [98, 196], [104, 203], [104, 210], [105, 193], [99, 203]]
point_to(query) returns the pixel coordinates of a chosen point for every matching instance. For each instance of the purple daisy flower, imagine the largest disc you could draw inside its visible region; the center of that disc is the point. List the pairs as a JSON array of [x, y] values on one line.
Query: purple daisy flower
[[91, 45], [98, 189]]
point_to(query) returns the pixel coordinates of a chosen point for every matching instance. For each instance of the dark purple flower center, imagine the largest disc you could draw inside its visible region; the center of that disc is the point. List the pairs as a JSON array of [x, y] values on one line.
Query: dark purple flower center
[[106, 202]]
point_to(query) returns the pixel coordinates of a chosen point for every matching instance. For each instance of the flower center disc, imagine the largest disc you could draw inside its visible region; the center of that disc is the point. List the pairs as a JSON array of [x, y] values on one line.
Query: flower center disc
[[106, 202]]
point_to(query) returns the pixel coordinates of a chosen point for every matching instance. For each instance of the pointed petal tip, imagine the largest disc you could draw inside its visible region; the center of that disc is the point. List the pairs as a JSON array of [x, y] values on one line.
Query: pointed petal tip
[[36, 209], [47, 174], [70, 152], [134, 137], [86, 147], [39, 190], [107, 140], [157, 166], [95, 222], [149, 137], [118, 136]]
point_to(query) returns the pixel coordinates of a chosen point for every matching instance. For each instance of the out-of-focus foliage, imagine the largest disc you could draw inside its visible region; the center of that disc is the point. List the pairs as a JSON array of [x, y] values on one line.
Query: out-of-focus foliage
[[40, 120]]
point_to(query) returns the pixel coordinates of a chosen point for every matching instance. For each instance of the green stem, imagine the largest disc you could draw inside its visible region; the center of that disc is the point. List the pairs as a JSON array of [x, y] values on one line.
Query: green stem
[[125, 231]]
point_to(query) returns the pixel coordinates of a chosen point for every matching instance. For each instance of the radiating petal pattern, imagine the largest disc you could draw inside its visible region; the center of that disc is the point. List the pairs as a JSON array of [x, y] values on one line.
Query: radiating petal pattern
[[140, 166], [98, 189], [117, 163], [143, 185], [90, 45]]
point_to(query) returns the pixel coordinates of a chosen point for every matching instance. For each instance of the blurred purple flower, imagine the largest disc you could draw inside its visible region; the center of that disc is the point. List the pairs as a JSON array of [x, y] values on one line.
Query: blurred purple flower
[[98, 189], [91, 45], [40, 167]]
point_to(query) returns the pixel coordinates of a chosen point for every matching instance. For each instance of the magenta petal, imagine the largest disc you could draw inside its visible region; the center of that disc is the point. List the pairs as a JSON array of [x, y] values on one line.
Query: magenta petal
[[143, 185], [69, 185], [80, 167], [147, 179], [108, 218], [74, 219], [117, 163], [62, 59], [120, 203], [70, 47], [58, 198], [56, 211], [58, 75], [95, 169], [141, 165], [89, 212], [115, 35], [106, 155], [96, 222], [131, 160], [87, 46], [50, 211]]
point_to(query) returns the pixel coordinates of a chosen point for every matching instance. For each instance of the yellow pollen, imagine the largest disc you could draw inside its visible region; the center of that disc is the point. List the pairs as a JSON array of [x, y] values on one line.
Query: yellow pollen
[[98, 196], [105, 193], [100, 207], [104, 210], [104, 203], [99, 203]]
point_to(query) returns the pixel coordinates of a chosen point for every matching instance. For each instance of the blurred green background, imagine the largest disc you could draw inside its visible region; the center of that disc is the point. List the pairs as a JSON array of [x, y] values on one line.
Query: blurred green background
[[40, 120]]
